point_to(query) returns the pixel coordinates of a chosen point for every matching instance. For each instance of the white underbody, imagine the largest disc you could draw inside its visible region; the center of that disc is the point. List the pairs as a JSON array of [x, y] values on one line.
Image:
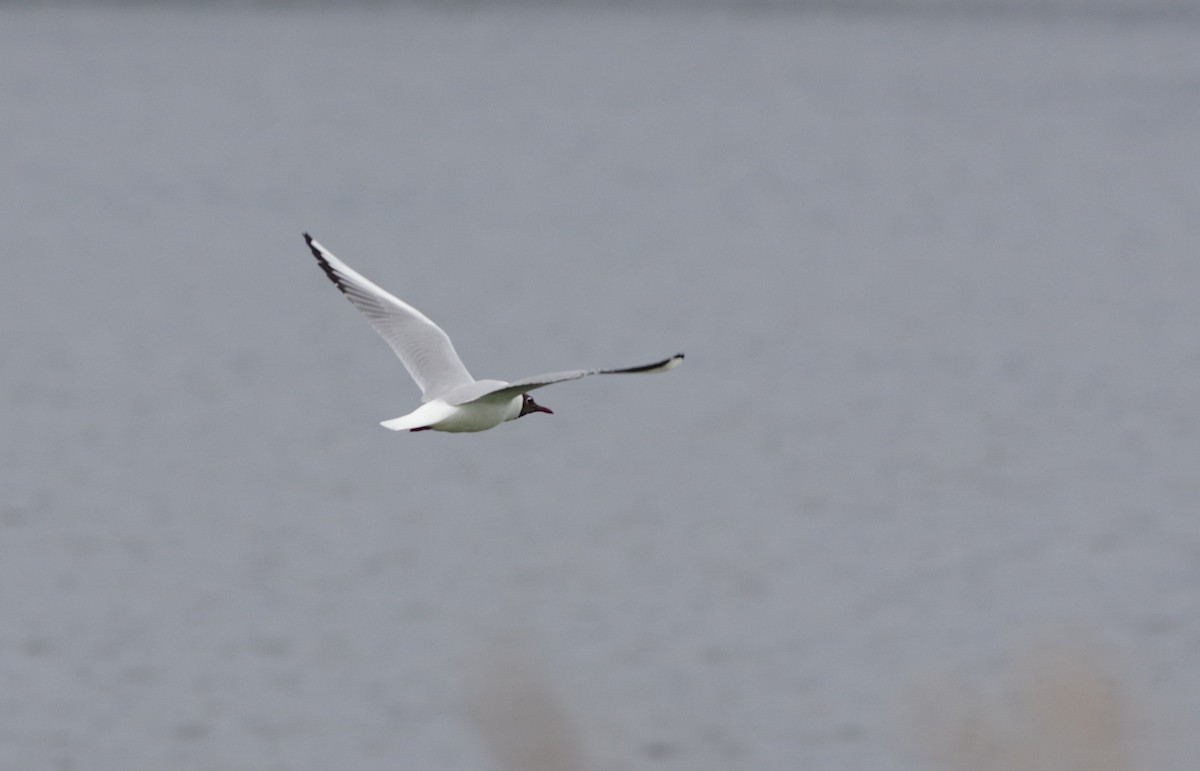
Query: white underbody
[[472, 416]]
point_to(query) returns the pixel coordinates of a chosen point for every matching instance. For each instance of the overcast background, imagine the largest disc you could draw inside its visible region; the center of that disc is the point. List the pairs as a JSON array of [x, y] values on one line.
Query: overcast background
[[936, 276]]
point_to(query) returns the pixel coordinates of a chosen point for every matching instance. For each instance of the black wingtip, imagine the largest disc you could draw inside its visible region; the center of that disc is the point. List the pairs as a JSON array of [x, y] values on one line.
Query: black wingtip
[[673, 362], [670, 362], [324, 263]]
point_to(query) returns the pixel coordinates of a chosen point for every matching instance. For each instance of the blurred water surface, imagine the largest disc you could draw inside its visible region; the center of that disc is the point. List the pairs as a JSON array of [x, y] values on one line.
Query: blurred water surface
[[936, 279]]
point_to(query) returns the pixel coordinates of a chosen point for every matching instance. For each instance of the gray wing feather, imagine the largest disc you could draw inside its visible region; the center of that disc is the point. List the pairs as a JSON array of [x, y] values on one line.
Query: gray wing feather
[[423, 348], [503, 390]]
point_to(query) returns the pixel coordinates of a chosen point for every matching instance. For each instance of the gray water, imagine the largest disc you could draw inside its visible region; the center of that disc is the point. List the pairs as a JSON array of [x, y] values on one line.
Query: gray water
[[937, 280]]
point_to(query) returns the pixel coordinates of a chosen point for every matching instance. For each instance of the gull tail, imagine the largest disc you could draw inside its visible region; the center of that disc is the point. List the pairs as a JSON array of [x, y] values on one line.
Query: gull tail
[[405, 423], [425, 416]]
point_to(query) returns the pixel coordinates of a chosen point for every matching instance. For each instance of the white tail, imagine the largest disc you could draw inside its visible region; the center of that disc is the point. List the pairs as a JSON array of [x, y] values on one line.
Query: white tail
[[425, 415]]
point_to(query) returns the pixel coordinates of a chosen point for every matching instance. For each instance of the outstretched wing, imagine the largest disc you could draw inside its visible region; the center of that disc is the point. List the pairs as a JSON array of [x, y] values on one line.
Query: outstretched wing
[[524, 385], [424, 349]]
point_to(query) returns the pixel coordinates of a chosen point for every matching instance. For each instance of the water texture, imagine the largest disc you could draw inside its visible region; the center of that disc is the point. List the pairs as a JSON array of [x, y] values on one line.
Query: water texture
[[937, 282]]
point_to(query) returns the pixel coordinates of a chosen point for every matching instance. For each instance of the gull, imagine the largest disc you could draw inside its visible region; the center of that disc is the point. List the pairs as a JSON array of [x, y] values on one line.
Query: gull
[[452, 400]]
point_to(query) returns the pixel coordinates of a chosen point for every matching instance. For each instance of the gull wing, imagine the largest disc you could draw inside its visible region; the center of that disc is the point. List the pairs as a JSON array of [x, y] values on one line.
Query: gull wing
[[423, 348], [508, 390]]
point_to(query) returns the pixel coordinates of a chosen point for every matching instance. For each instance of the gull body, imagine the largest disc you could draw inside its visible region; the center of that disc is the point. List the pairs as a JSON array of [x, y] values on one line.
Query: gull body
[[452, 400], [440, 415]]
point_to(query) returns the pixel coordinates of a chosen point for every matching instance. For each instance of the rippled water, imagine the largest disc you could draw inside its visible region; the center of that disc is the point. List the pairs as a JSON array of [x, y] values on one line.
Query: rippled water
[[936, 279]]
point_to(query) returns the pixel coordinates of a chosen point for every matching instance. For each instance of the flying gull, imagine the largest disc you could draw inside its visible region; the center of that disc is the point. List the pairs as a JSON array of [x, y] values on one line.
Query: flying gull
[[452, 400]]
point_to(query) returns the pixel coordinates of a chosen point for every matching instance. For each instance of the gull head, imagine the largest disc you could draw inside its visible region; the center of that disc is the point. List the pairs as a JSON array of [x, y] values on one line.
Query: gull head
[[528, 405]]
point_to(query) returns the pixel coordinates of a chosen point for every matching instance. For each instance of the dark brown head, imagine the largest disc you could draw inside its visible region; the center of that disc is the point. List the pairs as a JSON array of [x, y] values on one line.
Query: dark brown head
[[529, 405]]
